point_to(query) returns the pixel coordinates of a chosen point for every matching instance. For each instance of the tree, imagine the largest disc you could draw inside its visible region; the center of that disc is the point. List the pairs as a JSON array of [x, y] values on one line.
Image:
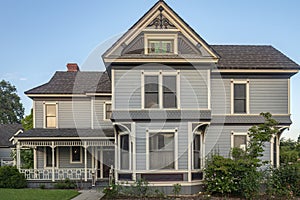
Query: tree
[[298, 139], [11, 109], [27, 122]]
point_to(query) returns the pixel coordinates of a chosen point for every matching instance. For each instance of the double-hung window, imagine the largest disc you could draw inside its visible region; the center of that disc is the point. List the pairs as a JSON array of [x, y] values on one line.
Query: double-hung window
[[50, 115], [239, 140], [161, 150], [240, 97], [151, 92], [107, 110], [160, 91]]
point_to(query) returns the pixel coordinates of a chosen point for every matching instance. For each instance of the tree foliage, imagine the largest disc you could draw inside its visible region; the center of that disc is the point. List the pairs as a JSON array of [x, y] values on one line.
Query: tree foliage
[[289, 151], [240, 175], [11, 109], [27, 122]]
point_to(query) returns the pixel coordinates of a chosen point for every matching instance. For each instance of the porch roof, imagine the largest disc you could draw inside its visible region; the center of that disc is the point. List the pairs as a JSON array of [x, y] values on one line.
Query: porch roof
[[66, 132]]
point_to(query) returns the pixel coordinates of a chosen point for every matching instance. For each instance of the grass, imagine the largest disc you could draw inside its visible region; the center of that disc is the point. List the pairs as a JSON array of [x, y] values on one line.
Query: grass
[[36, 194]]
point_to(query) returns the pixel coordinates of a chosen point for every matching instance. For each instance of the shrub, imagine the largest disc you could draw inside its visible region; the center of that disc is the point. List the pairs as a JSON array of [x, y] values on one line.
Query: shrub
[[10, 177], [232, 177], [284, 181], [66, 184]]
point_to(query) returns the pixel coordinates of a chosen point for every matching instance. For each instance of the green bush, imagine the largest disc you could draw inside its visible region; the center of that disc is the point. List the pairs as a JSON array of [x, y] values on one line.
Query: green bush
[[10, 177], [284, 181], [225, 176], [66, 184]]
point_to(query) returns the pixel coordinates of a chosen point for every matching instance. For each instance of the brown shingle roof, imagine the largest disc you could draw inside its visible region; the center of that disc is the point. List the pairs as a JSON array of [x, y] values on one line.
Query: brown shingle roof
[[75, 83], [252, 57], [232, 57]]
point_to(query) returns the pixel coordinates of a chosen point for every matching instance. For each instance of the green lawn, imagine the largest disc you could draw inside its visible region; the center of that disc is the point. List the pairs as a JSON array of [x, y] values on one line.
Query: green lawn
[[36, 194]]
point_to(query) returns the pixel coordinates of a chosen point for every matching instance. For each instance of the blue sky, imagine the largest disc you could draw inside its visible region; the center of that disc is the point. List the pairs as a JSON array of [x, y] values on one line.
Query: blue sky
[[40, 37]]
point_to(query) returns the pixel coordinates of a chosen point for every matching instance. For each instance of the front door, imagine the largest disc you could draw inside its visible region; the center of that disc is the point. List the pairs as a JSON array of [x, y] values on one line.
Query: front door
[[104, 162]]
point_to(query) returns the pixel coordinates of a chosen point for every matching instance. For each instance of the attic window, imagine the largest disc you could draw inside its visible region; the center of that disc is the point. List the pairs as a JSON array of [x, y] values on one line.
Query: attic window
[[160, 43], [161, 46]]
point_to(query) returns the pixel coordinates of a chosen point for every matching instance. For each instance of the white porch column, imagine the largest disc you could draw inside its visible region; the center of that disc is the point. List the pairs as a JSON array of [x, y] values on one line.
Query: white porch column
[[85, 161], [133, 130], [116, 155], [53, 161], [18, 156], [190, 134], [34, 158]]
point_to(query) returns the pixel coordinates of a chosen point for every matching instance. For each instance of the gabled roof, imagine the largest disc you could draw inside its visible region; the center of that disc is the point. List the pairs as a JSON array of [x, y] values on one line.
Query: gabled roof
[[160, 8], [6, 132], [74, 83], [252, 57], [233, 57]]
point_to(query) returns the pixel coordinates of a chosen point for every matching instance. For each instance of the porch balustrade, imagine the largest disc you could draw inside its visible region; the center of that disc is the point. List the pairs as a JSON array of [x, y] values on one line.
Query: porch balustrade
[[59, 174]]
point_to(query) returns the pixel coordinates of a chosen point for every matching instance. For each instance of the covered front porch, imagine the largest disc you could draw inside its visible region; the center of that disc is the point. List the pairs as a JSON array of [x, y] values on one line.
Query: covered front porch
[[75, 158]]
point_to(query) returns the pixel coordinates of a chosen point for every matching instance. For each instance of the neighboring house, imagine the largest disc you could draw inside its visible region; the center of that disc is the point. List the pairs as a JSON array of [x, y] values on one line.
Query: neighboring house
[[167, 101], [7, 131]]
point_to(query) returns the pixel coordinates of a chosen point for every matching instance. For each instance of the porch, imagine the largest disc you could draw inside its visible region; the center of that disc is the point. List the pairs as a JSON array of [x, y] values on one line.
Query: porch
[[81, 160]]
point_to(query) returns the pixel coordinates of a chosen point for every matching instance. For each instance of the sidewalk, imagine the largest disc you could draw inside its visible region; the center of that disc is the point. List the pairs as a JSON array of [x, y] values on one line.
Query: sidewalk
[[89, 195]]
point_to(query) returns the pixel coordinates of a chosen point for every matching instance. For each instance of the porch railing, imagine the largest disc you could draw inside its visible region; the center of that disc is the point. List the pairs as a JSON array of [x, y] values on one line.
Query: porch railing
[[59, 174]]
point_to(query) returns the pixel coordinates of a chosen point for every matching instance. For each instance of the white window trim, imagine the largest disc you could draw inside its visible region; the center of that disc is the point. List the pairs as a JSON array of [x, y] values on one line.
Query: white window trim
[[173, 37], [44, 113], [45, 158], [160, 75], [175, 131], [71, 156], [238, 133], [104, 110], [247, 82]]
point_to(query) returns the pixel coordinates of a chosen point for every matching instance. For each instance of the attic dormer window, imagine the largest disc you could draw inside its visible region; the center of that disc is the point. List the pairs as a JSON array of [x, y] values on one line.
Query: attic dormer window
[[161, 46], [160, 43]]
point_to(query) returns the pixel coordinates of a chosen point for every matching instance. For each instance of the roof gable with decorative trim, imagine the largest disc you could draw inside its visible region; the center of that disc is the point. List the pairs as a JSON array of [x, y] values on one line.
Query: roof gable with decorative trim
[[160, 32]]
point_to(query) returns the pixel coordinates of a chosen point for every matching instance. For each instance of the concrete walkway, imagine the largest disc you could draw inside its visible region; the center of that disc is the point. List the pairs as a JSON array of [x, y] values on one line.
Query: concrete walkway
[[89, 195]]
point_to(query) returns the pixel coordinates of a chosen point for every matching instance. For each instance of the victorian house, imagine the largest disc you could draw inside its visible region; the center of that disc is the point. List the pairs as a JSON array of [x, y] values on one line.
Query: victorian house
[[166, 101]]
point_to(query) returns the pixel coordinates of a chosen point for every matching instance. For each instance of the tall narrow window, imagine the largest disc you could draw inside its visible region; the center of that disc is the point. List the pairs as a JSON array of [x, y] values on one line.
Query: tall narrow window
[[161, 46], [50, 115], [107, 111], [151, 92], [196, 150], [76, 154], [169, 92], [240, 98], [161, 151], [124, 150], [49, 157]]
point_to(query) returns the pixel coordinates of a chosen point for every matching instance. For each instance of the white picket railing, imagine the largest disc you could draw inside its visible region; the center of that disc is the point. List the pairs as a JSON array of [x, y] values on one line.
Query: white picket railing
[[59, 174]]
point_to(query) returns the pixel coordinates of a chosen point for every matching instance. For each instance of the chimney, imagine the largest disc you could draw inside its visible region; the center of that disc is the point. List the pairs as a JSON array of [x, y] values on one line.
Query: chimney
[[73, 67]]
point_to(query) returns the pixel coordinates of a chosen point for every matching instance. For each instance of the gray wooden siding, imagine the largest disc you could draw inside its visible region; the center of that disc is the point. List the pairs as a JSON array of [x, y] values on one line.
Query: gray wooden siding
[[218, 140], [38, 114], [127, 89], [141, 142], [64, 158], [98, 113], [269, 95], [5, 153], [193, 89], [265, 95], [220, 96], [74, 113]]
